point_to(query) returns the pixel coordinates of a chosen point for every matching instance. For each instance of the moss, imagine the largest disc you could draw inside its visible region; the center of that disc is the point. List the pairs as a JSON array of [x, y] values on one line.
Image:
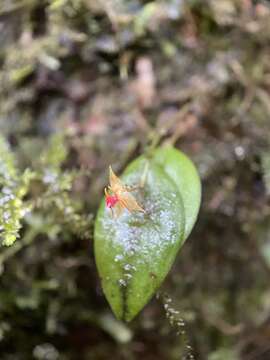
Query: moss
[[66, 115]]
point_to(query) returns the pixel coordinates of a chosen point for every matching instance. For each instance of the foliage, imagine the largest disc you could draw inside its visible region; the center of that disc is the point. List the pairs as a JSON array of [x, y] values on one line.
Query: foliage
[[104, 79], [135, 252], [13, 188], [54, 197]]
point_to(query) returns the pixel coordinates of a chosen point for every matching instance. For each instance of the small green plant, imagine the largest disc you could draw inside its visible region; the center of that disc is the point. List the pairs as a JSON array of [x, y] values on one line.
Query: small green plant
[[135, 251], [13, 187], [48, 187]]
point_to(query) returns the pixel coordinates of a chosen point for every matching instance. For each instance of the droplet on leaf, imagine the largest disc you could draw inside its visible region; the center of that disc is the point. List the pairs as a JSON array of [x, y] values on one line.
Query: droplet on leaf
[[133, 247]]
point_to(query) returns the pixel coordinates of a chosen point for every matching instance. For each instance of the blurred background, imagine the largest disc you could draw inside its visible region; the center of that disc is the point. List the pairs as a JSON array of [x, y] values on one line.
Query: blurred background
[[88, 83]]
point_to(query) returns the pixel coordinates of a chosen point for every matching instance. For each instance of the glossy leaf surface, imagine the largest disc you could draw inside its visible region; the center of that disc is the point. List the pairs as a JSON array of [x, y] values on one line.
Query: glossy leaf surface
[[182, 171], [135, 252]]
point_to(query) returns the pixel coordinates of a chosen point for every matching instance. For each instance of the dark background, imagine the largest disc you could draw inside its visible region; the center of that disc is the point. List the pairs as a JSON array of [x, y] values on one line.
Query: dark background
[[85, 84]]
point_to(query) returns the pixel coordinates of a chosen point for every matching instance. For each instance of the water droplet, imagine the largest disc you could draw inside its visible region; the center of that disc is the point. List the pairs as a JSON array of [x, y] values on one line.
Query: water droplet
[[122, 282], [129, 267], [118, 258]]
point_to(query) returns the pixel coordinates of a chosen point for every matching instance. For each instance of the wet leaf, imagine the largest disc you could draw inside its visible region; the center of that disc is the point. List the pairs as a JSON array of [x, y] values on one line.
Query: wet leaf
[[135, 252], [182, 171]]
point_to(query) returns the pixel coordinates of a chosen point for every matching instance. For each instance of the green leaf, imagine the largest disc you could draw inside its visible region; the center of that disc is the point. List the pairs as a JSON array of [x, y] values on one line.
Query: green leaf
[[135, 252], [182, 171]]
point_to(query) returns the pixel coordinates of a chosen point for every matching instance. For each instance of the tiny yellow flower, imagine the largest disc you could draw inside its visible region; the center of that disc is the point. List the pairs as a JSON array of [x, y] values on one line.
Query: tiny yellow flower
[[118, 197]]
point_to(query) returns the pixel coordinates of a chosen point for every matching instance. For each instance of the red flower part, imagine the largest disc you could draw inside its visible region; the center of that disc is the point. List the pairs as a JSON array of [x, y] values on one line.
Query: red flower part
[[111, 200]]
